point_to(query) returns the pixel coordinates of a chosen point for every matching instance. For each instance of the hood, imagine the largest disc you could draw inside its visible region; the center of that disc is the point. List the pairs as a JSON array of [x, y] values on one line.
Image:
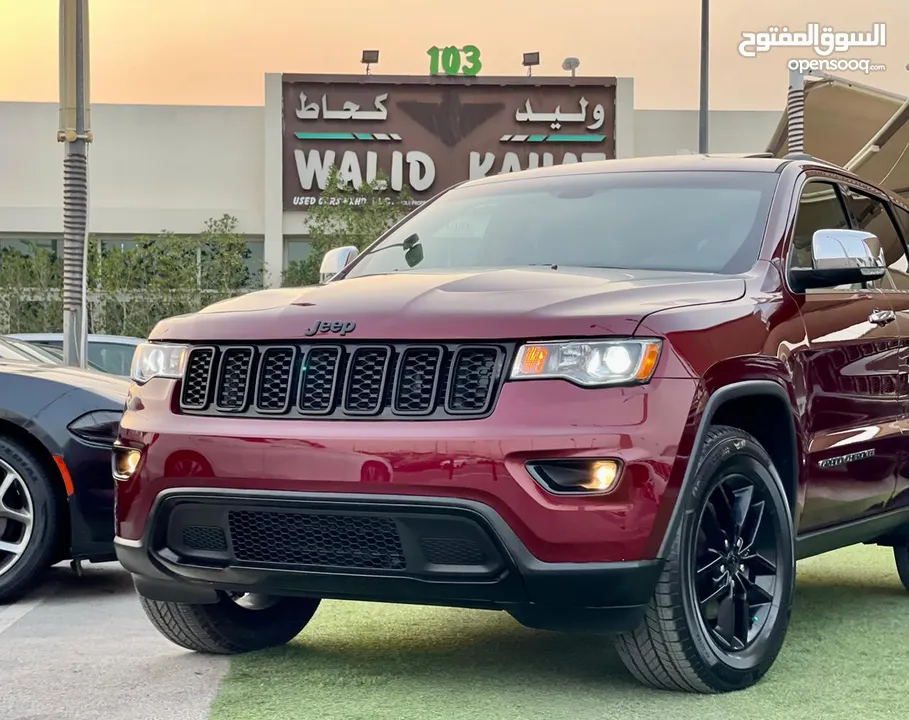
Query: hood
[[485, 304], [110, 388]]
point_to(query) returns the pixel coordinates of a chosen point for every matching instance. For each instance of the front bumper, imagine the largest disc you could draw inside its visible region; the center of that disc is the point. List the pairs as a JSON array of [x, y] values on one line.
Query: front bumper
[[482, 461], [387, 548]]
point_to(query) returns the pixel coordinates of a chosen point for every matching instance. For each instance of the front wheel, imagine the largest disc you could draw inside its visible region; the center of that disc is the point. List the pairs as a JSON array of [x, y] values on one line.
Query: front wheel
[[721, 608], [237, 623]]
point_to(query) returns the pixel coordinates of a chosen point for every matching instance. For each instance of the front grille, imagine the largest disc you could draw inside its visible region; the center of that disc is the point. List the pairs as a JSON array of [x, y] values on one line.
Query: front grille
[[316, 540], [375, 381]]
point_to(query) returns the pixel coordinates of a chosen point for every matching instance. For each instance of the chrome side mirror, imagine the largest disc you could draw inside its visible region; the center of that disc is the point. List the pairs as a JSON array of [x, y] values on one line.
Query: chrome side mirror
[[841, 257], [335, 261]]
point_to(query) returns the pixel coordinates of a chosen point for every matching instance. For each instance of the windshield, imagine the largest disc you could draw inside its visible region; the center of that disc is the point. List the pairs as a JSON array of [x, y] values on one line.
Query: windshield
[[703, 221]]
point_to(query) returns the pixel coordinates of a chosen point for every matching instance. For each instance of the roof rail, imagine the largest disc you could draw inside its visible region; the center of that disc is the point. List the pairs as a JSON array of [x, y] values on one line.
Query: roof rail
[[806, 156], [760, 155]]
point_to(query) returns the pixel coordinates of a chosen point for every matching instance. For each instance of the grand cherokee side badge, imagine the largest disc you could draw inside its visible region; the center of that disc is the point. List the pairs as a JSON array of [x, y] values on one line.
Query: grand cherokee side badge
[[843, 459], [322, 327]]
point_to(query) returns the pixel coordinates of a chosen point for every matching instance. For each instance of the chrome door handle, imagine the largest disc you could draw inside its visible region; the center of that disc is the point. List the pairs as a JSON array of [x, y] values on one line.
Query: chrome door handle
[[881, 317]]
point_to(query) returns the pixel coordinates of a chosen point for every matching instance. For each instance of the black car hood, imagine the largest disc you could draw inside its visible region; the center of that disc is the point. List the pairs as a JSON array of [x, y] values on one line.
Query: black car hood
[[111, 388]]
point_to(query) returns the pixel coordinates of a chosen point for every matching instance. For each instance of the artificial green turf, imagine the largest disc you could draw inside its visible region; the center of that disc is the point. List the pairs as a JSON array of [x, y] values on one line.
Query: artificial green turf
[[846, 656]]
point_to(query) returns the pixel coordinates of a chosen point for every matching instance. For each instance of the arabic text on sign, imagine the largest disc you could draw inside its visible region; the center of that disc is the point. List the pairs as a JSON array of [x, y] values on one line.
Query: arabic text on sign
[[558, 117], [452, 60], [349, 111], [823, 40]]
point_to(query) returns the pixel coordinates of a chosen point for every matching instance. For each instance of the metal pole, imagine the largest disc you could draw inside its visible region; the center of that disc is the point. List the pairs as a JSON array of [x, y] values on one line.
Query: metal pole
[[795, 113], [705, 57], [74, 132]]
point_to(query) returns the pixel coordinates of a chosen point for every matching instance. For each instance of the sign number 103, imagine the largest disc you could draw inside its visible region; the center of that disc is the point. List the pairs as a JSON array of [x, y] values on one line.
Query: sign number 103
[[453, 60]]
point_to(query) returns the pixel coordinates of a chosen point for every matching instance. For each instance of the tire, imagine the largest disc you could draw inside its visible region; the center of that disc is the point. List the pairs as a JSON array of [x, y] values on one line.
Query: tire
[[232, 625], [26, 488], [901, 555], [676, 647]]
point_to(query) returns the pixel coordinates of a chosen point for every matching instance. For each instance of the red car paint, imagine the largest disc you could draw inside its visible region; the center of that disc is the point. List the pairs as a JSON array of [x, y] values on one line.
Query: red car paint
[[843, 394]]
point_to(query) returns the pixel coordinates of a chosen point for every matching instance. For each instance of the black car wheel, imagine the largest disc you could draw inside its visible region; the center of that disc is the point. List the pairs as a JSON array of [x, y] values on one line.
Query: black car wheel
[[29, 520], [721, 608], [237, 623], [901, 555]]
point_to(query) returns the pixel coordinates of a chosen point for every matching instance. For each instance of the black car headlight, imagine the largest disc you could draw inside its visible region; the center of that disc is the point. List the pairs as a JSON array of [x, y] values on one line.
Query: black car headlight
[[99, 427]]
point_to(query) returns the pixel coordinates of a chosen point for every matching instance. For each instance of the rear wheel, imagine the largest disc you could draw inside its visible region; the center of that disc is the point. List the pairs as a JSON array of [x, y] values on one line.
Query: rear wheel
[[901, 555], [237, 623], [721, 608], [29, 520]]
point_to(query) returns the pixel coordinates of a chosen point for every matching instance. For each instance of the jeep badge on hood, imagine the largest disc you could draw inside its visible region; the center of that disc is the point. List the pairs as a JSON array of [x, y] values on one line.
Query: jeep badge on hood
[[321, 327]]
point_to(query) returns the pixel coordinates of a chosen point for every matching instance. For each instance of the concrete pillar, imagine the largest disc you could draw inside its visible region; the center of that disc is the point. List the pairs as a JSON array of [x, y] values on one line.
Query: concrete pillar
[[273, 204], [624, 118]]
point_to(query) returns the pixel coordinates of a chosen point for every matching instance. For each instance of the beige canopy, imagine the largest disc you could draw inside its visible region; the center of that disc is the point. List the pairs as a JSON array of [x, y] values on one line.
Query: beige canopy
[[856, 126]]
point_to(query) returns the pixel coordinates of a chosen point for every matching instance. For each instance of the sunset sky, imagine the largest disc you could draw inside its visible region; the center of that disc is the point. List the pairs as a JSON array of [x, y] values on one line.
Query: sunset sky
[[215, 52]]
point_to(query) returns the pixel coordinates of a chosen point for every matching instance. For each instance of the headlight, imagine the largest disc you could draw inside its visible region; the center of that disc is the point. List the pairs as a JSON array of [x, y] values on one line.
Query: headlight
[[589, 363], [153, 360], [99, 426]]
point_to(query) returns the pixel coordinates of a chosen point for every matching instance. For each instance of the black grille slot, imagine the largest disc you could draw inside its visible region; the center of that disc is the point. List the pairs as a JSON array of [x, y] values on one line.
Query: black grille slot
[[273, 384], [417, 380], [319, 379], [316, 540], [204, 537], [364, 389], [197, 378], [452, 551], [473, 375], [425, 381], [234, 372]]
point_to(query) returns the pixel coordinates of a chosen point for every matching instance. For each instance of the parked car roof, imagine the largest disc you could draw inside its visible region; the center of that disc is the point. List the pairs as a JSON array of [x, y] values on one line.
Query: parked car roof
[[121, 339]]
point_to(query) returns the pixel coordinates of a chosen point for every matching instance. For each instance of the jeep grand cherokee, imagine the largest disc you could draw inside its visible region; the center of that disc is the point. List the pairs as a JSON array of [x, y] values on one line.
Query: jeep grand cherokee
[[619, 397]]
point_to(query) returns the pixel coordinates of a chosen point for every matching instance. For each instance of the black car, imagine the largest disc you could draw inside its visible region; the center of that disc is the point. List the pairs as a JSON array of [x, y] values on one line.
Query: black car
[[57, 425]]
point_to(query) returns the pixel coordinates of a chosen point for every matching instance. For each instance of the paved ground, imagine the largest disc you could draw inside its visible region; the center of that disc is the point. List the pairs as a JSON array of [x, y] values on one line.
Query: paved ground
[[82, 648]]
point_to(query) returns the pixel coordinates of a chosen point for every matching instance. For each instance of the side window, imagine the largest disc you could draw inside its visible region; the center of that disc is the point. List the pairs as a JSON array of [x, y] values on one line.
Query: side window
[[902, 219], [820, 208], [870, 214], [111, 357]]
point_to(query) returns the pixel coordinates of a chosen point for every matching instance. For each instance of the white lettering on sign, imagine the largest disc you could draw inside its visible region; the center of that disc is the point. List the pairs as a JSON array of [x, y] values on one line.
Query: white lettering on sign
[[349, 111], [558, 117], [313, 169], [480, 166]]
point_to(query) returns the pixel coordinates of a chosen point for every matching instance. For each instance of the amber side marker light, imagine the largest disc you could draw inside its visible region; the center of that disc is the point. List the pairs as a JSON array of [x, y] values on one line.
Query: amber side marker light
[[576, 476], [124, 462]]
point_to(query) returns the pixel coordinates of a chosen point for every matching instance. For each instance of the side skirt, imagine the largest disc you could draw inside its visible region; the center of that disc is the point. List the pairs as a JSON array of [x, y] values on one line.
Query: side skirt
[[888, 528]]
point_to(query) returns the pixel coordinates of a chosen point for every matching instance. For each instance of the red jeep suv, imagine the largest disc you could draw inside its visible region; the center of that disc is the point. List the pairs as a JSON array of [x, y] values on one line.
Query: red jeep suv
[[617, 397]]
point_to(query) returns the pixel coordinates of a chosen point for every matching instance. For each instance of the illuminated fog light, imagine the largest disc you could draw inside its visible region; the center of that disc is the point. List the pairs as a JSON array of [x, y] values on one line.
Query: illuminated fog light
[[576, 476], [125, 461], [603, 477]]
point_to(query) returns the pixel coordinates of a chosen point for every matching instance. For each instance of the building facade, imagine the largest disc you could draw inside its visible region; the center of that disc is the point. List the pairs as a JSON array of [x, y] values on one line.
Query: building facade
[[171, 168]]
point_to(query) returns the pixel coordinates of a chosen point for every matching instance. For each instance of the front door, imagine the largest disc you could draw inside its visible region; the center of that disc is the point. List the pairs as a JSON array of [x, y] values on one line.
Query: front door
[[851, 363], [890, 223]]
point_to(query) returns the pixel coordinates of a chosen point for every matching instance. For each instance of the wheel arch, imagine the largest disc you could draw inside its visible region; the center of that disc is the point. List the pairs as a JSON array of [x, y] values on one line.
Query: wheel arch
[[18, 434], [745, 405]]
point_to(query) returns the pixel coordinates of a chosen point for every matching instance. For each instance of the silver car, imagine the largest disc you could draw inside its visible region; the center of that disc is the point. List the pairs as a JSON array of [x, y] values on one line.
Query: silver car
[[111, 353]]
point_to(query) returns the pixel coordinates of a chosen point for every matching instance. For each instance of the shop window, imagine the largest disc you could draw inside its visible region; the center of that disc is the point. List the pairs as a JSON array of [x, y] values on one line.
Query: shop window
[[296, 250]]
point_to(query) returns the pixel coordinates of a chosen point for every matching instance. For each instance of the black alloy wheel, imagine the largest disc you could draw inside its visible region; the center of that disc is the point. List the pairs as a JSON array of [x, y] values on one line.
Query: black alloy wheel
[[735, 564], [720, 610]]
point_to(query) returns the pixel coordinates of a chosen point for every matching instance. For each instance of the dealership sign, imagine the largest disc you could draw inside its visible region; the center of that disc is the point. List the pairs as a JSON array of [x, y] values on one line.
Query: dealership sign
[[426, 134]]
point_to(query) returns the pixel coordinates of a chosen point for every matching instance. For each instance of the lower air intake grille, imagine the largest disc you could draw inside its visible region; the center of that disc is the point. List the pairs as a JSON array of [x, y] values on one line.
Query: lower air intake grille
[[315, 540], [203, 537]]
